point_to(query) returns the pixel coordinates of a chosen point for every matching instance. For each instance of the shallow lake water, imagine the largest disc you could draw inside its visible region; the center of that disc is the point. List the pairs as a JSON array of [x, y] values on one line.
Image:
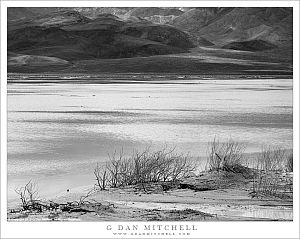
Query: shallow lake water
[[58, 132]]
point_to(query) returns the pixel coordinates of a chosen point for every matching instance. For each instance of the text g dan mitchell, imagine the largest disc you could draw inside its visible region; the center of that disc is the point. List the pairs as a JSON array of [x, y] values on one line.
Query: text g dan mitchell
[[151, 227]]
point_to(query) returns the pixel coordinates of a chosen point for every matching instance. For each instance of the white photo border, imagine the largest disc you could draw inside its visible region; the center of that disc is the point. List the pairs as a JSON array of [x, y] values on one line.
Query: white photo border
[[101, 229]]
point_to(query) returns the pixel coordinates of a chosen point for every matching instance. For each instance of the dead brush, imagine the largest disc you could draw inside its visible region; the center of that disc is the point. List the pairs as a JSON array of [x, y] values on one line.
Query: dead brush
[[289, 163], [270, 166], [144, 167], [29, 196], [101, 175], [32, 204], [226, 156]]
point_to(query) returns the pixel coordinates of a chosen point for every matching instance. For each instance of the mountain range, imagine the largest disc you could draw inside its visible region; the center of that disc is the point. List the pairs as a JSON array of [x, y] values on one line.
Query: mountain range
[[68, 37]]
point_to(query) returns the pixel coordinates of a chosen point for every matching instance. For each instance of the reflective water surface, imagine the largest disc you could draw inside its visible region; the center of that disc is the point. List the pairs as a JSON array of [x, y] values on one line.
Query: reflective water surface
[[58, 132]]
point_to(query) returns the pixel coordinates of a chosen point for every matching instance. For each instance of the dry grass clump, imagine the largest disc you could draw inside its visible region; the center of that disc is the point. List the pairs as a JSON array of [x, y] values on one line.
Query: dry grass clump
[[29, 196], [226, 156], [271, 159], [143, 167], [271, 178], [289, 163]]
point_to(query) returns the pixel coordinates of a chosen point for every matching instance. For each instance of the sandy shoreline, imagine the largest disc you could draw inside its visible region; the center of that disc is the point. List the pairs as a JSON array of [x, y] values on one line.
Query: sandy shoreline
[[131, 203]]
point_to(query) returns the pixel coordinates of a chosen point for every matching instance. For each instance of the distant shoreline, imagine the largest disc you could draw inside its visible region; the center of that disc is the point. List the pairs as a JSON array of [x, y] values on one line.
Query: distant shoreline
[[130, 78]]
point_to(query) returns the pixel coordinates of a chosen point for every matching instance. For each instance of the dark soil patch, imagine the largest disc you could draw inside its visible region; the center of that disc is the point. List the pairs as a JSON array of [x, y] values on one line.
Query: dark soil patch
[[235, 178], [176, 215]]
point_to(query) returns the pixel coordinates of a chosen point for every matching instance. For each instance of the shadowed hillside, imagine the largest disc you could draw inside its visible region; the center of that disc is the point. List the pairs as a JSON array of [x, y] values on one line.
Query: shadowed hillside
[[254, 45], [70, 36], [77, 35]]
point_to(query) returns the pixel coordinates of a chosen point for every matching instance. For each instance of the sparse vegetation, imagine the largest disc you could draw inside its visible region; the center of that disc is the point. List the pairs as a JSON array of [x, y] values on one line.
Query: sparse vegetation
[[164, 170], [29, 196], [270, 178], [143, 167], [268, 172], [226, 156], [272, 159], [100, 177], [32, 204], [289, 163]]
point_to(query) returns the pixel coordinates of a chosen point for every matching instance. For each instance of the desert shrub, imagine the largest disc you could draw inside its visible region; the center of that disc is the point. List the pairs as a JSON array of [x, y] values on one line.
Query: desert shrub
[[29, 196], [289, 163], [271, 158], [126, 175], [32, 204], [144, 167], [113, 168], [101, 175], [270, 166], [181, 167], [225, 156]]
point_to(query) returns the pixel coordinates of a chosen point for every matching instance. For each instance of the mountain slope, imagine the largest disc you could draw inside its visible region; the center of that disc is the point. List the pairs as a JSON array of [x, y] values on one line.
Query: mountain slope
[[254, 45], [242, 24], [54, 19], [160, 33], [222, 26], [94, 12], [152, 11], [97, 37], [218, 26], [18, 13], [69, 36], [196, 18], [17, 59]]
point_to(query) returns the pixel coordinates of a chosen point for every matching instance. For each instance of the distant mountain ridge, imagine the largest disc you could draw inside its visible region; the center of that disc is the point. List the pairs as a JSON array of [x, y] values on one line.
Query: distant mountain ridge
[[70, 36], [219, 26], [75, 34]]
